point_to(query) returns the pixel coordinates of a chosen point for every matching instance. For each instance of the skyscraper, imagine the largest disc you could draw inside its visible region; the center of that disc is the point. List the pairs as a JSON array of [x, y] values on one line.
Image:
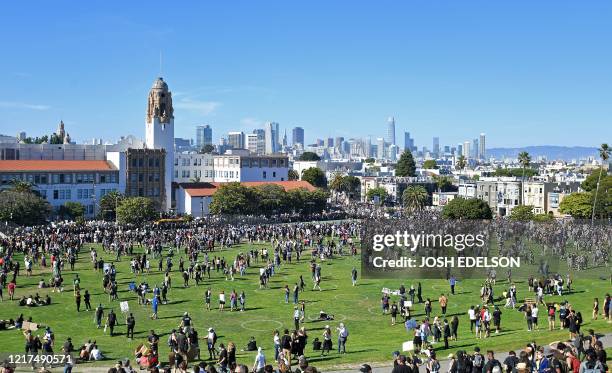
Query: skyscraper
[[203, 136], [475, 148], [436, 147], [482, 149], [390, 138], [459, 149], [408, 141], [329, 142], [271, 129], [380, 148], [298, 136], [466, 149], [236, 140]]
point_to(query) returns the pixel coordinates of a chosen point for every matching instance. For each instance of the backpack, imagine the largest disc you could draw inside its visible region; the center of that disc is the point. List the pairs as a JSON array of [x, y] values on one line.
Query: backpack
[[477, 359], [592, 367], [561, 364]]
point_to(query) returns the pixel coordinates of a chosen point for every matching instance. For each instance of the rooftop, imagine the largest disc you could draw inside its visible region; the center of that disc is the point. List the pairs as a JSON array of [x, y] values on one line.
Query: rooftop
[[54, 165]]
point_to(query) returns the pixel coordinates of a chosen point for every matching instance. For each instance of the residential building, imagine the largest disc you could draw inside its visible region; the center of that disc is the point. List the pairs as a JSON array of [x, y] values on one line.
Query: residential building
[[247, 167]]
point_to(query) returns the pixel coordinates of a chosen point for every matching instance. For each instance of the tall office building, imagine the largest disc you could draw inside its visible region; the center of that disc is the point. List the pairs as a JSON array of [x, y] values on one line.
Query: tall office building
[[298, 136], [475, 149], [466, 149], [272, 145], [436, 147], [408, 141], [390, 138], [236, 140], [482, 149], [338, 141], [329, 142], [380, 148], [203, 136], [459, 150]]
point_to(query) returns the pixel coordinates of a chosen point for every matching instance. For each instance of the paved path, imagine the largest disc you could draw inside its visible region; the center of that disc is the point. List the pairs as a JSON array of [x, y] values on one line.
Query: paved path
[[606, 339]]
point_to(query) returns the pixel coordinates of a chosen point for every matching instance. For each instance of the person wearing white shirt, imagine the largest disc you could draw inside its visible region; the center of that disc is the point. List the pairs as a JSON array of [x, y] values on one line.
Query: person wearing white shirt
[[260, 361], [96, 354], [534, 315]]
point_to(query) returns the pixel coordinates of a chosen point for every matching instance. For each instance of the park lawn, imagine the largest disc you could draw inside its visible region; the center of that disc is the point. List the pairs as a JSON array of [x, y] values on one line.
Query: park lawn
[[372, 338]]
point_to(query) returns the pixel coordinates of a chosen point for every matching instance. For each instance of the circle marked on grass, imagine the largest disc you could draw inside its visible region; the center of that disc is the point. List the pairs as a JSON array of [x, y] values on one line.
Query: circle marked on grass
[[277, 324]]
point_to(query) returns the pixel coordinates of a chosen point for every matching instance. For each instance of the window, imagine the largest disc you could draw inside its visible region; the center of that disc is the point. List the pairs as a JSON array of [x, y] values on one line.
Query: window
[[56, 194], [156, 162], [102, 178], [264, 174], [274, 174], [150, 162], [140, 162]]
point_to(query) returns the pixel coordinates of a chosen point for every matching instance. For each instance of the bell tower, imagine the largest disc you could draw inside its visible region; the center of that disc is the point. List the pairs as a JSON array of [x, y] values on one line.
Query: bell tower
[[159, 122]]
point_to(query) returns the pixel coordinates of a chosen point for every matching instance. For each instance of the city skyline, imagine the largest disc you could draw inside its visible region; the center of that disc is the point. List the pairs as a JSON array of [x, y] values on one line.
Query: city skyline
[[447, 79]]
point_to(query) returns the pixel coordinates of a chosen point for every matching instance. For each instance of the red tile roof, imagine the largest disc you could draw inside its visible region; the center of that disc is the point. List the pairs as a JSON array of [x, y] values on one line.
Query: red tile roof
[[208, 189], [54, 165]]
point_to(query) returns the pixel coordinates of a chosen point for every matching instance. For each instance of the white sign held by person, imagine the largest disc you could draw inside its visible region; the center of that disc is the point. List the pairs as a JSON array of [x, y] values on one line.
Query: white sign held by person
[[408, 346], [125, 307]]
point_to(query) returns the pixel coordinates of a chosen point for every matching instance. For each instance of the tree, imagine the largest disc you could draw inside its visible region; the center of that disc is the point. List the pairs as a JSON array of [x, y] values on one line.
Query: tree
[[337, 184], [136, 210], [315, 201], [604, 154], [369, 160], [109, 203], [524, 159], [443, 182], [71, 210], [461, 163], [22, 186], [315, 177], [405, 166], [522, 213], [23, 208], [414, 197], [471, 208], [430, 164], [353, 186], [309, 156], [293, 175], [379, 192], [234, 198], [578, 205], [207, 149], [516, 172], [271, 199], [543, 218], [55, 139]]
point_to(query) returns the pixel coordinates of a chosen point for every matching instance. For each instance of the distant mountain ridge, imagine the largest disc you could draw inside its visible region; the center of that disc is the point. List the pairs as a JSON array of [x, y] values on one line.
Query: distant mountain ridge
[[551, 152]]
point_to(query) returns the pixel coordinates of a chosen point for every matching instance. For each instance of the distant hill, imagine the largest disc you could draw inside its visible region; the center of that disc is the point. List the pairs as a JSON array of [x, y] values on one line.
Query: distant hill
[[551, 152]]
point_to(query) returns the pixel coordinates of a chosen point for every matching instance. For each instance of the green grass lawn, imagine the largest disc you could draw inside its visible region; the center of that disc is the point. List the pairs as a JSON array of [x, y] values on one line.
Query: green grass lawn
[[372, 338]]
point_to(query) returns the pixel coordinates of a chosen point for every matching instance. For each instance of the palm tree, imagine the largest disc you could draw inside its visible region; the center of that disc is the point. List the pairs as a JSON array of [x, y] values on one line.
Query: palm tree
[[604, 154], [461, 162], [337, 184], [524, 159], [414, 197]]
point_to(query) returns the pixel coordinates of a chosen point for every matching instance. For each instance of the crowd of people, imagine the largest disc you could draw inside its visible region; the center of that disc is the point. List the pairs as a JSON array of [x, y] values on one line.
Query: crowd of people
[[192, 251]]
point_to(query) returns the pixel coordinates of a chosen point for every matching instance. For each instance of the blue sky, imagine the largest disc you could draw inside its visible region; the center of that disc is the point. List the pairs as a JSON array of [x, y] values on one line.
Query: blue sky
[[524, 72]]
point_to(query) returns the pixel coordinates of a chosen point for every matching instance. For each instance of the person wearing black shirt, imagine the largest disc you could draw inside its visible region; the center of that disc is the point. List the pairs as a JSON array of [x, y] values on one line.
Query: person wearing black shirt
[[153, 340], [111, 321], [131, 323], [222, 358], [511, 361], [286, 345], [447, 333], [87, 299], [401, 366], [497, 319], [491, 363]]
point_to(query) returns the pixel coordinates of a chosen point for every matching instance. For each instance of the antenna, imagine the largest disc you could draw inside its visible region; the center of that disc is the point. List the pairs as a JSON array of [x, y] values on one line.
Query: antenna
[[160, 63]]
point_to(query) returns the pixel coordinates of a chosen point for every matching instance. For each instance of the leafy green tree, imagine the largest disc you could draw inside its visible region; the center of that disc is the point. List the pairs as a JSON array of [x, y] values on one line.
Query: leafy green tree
[[415, 197], [471, 208], [309, 156], [234, 198], [369, 160], [71, 210], [525, 160], [55, 139], [522, 213], [136, 210], [578, 205], [543, 218], [315, 177], [315, 201], [23, 207], [430, 164], [293, 175], [604, 154], [271, 199], [379, 192], [443, 182], [405, 165], [22, 186], [516, 172], [353, 186], [461, 163], [207, 149], [109, 203]]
